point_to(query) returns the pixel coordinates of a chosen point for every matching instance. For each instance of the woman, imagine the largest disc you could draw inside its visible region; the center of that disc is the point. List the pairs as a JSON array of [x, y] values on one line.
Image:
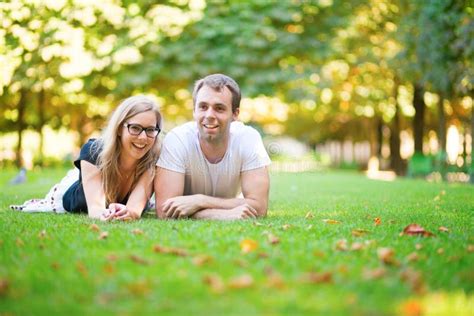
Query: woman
[[116, 170]]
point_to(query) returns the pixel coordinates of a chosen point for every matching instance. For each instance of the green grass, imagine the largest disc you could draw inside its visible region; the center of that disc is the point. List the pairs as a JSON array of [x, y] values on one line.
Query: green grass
[[69, 270]]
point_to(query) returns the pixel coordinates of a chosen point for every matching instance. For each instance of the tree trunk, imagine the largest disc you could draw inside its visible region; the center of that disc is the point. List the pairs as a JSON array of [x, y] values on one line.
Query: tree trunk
[[41, 106], [419, 120], [395, 158], [472, 140], [379, 137], [442, 124], [21, 128]]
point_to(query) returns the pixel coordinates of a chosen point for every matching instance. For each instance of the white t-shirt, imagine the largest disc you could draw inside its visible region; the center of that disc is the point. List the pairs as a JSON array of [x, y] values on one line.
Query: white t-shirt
[[181, 152]]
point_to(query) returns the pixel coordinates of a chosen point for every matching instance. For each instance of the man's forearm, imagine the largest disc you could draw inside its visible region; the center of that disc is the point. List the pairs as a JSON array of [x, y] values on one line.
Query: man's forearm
[[209, 202]]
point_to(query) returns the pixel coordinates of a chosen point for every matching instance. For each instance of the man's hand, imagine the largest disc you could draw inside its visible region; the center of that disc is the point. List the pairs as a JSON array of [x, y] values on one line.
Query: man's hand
[[182, 206], [244, 211]]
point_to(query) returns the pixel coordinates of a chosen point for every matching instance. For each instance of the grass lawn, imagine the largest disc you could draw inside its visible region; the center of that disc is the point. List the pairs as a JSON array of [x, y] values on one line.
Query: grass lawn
[[288, 263]]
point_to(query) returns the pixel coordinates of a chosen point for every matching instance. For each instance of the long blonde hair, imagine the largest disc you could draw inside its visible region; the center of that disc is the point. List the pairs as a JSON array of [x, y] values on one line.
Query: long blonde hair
[[109, 146]]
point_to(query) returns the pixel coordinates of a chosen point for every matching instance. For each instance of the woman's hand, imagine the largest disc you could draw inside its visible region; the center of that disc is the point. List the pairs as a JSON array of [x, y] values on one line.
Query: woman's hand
[[121, 212]]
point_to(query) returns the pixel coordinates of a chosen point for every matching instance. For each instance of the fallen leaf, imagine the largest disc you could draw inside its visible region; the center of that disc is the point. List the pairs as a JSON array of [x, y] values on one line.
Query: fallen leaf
[[413, 257], [137, 231], [374, 274], [263, 255], [257, 223], [4, 286], [440, 251], [19, 242], [201, 260], [412, 308], [387, 256], [309, 215], [418, 246], [416, 230], [82, 269], [470, 248], [443, 229], [55, 265], [357, 246], [42, 234], [248, 245], [275, 280], [414, 279], [242, 281], [139, 288], [214, 282], [241, 263], [103, 235], [341, 245], [331, 221], [319, 253], [286, 226], [94, 227], [272, 239], [359, 232], [315, 278], [139, 260], [109, 269], [112, 257], [173, 251], [377, 221]]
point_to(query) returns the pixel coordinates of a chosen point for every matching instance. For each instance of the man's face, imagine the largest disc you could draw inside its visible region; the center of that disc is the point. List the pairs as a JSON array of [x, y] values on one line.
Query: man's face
[[213, 114]]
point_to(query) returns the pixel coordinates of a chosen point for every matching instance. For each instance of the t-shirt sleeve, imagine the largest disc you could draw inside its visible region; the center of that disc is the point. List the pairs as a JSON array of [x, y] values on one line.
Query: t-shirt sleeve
[[173, 154], [89, 152], [254, 155]]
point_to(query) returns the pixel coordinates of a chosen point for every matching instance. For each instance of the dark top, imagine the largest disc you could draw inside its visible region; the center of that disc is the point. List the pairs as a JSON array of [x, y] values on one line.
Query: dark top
[[74, 200]]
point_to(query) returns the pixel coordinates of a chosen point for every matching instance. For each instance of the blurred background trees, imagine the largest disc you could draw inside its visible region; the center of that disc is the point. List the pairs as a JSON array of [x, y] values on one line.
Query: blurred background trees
[[394, 74]]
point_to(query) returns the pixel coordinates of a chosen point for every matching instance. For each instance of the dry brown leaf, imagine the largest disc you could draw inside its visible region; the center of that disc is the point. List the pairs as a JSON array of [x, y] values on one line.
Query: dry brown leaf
[[103, 235], [413, 257], [377, 221], [263, 255], [309, 215], [109, 269], [248, 245], [137, 231], [215, 283], [416, 230], [286, 226], [139, 288], [272, 239], [94, 228], [443, 229], [315, 277], [412, 308], [139, 260], [242, 281], [418, 246], [331, 221], [359, 232], [357, 246], [201, 260], [4, 286], [55, 265], [341, 245], [374, 274], [82, 269], [319, 253], [414, 279], [440, 251], [275, 280], [387, 256], [470, 248], [19, 242], [173, 251], [42, 234]]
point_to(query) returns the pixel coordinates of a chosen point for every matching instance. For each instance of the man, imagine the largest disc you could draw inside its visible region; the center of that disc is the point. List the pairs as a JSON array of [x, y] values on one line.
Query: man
[[205, 164]]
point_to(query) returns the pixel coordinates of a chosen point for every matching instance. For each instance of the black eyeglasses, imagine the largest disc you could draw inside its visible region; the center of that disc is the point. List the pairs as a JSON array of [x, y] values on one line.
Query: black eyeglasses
[[137, 129]]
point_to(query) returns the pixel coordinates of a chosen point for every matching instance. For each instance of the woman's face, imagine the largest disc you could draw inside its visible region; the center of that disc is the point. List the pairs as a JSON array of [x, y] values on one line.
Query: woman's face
[[136, 146]]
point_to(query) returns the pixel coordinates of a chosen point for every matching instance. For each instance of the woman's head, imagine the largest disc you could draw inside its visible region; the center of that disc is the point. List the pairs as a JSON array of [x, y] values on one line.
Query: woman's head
[[131, 133]]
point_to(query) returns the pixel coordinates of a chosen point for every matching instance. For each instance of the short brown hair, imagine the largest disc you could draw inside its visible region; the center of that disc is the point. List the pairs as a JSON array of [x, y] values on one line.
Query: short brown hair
[[218, 82]]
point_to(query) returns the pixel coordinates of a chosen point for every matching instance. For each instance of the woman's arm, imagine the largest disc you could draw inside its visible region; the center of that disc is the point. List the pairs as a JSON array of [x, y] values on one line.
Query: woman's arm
[[93, 189], [138, 198]]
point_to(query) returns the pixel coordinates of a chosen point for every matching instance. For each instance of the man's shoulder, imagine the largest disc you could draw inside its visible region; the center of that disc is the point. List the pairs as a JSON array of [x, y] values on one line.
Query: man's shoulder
[[241, 131], [184, 132]]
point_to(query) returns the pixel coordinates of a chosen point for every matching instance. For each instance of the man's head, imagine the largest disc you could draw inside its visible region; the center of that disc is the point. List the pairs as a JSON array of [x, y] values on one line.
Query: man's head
[[216, 104], [218, 82]]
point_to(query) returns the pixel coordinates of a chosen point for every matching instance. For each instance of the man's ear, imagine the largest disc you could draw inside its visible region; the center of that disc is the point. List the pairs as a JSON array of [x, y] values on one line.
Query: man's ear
[[235, 114]]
